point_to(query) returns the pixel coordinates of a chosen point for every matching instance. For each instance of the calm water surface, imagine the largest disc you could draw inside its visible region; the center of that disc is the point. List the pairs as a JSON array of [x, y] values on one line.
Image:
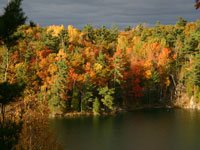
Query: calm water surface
[[138, 130]]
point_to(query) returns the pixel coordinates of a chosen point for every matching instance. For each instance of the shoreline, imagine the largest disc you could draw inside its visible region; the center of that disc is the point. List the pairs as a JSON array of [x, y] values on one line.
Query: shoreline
[[120, 110], [16, 110]]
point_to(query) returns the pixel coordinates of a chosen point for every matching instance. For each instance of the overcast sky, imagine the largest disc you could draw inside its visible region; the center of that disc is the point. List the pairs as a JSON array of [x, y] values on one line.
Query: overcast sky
[[106, 12]]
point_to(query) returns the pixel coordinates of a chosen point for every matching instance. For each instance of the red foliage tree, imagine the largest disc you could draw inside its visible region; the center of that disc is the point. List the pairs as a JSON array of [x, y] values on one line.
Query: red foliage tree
[[197, 5]]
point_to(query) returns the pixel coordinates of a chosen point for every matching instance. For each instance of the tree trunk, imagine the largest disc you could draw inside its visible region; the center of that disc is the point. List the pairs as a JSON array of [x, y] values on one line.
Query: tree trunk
[[2, 113], [161, 92], [6, 69], [81, 102], [63, 43]]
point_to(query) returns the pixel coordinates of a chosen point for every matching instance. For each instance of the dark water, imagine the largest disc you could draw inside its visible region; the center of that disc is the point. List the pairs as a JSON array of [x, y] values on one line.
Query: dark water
[[138, 130]]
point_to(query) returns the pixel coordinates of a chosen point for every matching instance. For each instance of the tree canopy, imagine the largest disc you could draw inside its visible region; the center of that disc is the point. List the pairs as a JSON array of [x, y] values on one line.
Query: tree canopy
[[10, 20], [197, 5]]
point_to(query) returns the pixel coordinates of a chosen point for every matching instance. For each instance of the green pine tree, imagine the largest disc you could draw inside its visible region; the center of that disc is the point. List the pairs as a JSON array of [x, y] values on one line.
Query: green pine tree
[[96, 106], [10, 20]]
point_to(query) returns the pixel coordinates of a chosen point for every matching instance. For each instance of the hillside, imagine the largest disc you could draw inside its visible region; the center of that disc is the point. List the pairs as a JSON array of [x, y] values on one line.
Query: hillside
[[100, 70]]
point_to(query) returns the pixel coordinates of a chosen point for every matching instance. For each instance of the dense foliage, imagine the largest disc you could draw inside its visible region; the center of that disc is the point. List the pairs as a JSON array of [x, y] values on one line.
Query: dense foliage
[[95, 70], [89, 70], [197, 5], [10, 20]]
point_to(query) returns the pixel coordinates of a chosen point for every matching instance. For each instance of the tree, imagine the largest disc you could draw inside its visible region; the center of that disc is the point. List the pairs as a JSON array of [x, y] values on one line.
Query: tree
[[86, 93], [96, 106], [127, 28], [197, 5], [107, 98], [197, 78], [181, 22], [90, 32], [58, 88], [36, 133], [75, 99], [114, 32], [10, 20], [8, 93], [102, 34]]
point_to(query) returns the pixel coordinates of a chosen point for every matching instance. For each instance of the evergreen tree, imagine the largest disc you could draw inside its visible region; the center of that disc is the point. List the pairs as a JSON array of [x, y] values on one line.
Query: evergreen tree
[[181, 22], [102, 34], [107, 97], [127, 28], [75, 99], [90, 32], [191, 44], [86, 94], [96, 106], [114, 32], [58, 91], [10, 20]]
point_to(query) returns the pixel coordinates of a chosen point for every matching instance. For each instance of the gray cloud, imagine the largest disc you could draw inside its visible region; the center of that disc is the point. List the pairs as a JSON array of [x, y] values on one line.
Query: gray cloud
[[106, 12]]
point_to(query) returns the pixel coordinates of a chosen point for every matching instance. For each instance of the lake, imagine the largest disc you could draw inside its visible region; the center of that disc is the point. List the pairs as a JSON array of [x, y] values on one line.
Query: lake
[[156, 129]]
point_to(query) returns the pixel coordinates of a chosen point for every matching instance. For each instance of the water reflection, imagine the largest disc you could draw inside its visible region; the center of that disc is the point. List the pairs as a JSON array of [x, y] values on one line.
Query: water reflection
[[139, 130]]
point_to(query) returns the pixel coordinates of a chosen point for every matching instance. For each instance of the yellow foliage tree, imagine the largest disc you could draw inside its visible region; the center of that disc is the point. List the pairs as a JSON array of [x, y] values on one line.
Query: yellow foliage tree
[[55, 29]]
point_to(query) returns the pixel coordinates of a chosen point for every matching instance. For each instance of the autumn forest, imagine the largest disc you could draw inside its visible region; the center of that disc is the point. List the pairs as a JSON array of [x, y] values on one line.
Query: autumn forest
[[98, 70], [94, 70]]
